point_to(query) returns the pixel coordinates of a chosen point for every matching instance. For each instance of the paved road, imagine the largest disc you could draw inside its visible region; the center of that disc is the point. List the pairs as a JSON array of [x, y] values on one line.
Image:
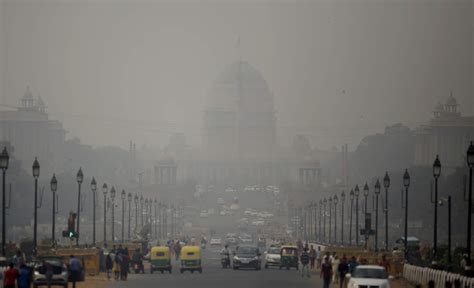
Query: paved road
[[214, 276]]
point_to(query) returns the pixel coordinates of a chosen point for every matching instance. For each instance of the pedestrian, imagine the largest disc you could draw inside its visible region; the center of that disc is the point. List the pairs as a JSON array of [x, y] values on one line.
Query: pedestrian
[[177, 249], [24, 277], [108, 265], [116, 267], [342, 270], [385, 263], [304, 258], [124, 268], [18, 259], [75, 268], [335, 267], [312, 257], [318, 258], [49, 272], [353, 264], [326, 272], [10, 276]]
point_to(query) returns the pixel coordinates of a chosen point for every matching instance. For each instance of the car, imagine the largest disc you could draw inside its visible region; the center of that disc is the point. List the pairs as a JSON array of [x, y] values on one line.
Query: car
[[60, 273], [272, 257], [247, 257], [258, 222], [215, 242], [220, 201], [368, 276], [203, 214], [231, 241], [245, 239]]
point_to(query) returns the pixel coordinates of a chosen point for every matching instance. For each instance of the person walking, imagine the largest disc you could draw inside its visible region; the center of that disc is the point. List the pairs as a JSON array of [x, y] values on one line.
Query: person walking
[[108, 265], [318, 258], [326, 272], [75, 268], [353, 264], [312, 257], [24, 278], [304, 259], [10, 276], [116, 267], [124, 265], [335, 266], [342, 270]]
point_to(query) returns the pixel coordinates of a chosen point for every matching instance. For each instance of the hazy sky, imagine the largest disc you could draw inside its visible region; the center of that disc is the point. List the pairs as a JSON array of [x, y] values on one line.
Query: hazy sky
[[119, 70]]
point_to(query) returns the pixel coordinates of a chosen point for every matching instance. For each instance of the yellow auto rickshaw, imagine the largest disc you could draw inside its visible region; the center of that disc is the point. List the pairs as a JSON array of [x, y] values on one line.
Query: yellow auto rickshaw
[[191, 259], [160, 259], [289, 257]]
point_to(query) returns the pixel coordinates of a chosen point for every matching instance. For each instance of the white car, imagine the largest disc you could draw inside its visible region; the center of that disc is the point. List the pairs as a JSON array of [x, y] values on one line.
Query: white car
[[272, 257], [216, 242], [368, 276], [258, 222]]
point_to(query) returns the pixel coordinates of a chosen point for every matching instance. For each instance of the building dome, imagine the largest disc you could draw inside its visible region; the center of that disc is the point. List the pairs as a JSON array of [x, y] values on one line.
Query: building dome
[[451, 101], [240, 85]]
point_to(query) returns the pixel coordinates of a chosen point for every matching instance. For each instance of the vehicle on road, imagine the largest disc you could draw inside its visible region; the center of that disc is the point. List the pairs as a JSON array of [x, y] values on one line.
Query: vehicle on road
[[231, 241], [215, 242], [60, 273], [289, 257], [160, 259], [247, 257], [258, 222], [191, 259], [368, 276], [272, 257], [225, 260], [220, 201], [203, 214]]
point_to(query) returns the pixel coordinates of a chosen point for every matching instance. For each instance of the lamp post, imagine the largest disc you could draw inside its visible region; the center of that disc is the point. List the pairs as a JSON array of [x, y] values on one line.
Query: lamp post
[[470, 163], [94, 189], [335, 200], [146, 211], [406, 184], [441, 201], [112, 197], [330, 216], [356, 193], [351, 196], [36, 172], [156, 219], [377, 193], [129, 198], [160, 220], [4, 158], [366, 194], [343, 198], [386, 185], [325, 202], [314, 206], [136, 212], [319, 222], [141, 210], [123, 195], [436, 174], [104, 191], [54, 188], [79, 178]]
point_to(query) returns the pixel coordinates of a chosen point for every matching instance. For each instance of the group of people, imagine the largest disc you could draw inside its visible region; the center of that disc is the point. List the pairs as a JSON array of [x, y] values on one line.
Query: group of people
[[118, 261]]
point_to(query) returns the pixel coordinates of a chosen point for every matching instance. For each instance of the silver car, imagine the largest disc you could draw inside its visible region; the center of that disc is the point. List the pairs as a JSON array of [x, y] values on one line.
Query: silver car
[[59, 276]]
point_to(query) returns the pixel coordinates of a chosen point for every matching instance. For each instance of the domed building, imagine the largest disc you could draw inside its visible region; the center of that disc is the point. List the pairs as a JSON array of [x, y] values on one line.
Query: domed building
[[239, 121]]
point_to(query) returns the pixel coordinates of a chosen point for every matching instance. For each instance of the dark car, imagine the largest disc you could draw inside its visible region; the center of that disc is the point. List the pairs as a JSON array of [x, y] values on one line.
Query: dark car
[[247, 257], [59, 276]]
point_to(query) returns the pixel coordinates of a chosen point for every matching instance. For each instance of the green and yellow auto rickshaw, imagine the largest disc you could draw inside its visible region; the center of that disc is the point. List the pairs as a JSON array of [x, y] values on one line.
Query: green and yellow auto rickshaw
[[160, 259], [289, 257], [191, 259]]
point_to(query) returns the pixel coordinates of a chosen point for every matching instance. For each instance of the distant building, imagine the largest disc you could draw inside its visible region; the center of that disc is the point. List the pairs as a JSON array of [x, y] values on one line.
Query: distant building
[[32, 134], [448, 135]]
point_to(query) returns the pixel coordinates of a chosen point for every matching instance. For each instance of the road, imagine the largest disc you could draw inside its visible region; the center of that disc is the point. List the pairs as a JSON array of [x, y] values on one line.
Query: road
[[214, 276]]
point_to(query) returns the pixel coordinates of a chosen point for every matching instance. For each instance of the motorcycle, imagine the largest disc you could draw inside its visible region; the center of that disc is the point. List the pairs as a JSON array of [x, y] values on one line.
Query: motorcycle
[[225, 261]]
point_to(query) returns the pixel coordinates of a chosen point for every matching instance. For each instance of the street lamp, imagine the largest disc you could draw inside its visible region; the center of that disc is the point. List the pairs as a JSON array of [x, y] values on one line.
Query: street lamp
[[79, 178], [356, 193], [320, 217], [386, 185], [146, 211], [54, 188], [325, 202], [156, 219], [129, 198], [335, 200], [441, 201], [351, 196], [366, 194], [124, 195], [136, 212], [436, 174], [470, 163], [330, 216], [141, 210], [377, 193], [4, 158], [104, 191], [112, 197], [36, 173], [94, 190], [343, 198], [406, 184]]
